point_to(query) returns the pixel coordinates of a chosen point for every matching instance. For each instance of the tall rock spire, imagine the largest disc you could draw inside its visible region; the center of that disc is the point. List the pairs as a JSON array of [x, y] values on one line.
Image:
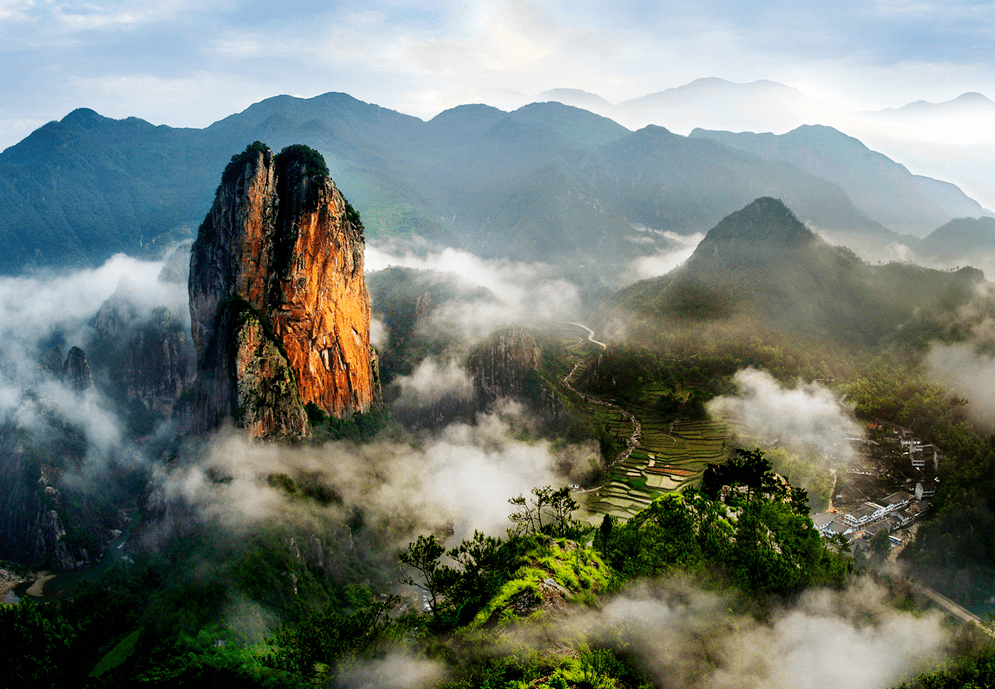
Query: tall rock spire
[[279, 310]]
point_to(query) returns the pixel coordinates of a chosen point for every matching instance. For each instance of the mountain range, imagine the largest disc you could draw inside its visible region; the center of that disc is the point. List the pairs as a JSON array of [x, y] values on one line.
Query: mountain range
[[547, 182], [762, 264]]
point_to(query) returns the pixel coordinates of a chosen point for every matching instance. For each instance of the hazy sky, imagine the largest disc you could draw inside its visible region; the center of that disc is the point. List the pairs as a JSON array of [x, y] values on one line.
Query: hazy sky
[[187, 63]]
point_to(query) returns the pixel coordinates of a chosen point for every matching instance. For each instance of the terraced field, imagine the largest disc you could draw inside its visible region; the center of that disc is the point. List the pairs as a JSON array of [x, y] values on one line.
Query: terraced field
[[661, 456], [669, 456]]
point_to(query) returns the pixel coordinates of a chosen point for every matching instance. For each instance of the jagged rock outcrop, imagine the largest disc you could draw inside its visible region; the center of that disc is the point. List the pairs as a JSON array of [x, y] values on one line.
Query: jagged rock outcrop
[[45, 521], [505, 365], [278, 302], [76, 370], [143, 353], [177, 268], [158, 363], [508, 365]]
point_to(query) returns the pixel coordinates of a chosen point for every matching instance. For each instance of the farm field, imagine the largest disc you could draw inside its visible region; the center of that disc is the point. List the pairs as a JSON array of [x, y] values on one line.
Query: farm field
[[669, 456]]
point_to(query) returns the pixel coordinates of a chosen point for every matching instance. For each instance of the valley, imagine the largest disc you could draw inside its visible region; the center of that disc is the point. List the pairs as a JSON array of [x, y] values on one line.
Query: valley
[[283, 446]]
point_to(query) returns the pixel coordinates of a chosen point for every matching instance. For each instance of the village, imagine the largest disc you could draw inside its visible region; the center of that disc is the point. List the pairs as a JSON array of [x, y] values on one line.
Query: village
[[886, 490]]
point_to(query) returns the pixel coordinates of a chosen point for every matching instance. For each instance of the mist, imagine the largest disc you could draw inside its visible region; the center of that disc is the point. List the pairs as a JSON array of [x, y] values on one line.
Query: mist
[[399, 669], [430, 383], [32, 307], [807, 417], [35, 308], [683, 636], [969, 374], [679, 250], [458, 480], [524, 292]]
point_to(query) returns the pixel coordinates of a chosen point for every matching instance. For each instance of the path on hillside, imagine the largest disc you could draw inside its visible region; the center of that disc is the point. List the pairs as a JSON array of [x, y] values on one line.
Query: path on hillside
[[958, 611], [637, 426], [590, 334]]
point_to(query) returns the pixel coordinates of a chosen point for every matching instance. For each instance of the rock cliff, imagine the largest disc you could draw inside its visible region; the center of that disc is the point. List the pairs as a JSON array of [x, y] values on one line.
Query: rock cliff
[[280, 314], [509, 364], [76, 370], [142, 354], [44, 520]]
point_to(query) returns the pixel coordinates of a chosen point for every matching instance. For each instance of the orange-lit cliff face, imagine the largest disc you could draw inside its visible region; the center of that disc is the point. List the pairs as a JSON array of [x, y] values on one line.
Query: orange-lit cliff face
[[280, 237]]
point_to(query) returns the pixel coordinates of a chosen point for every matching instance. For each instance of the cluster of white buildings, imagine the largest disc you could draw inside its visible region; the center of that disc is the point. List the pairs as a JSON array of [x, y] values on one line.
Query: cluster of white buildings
[[859, 522], [868, 518]]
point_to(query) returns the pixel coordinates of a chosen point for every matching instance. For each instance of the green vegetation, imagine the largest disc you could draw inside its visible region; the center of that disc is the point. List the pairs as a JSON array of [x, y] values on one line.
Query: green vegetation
[[309, 160], [238, 161], [169, 619], [974, 670]]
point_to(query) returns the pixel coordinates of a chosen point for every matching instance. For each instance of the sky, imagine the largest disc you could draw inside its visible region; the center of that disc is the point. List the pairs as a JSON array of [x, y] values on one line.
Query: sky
[[186, 63]]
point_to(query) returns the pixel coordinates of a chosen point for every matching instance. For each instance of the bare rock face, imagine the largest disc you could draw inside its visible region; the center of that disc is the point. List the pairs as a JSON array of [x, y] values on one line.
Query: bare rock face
[[45, 521], [276, 281], [504, 364], [143, 358], [76, 370], [158, 363], [508, 364]]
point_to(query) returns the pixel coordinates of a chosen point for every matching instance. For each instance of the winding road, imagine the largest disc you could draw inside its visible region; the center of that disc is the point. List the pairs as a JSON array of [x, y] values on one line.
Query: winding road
[[637, 426]]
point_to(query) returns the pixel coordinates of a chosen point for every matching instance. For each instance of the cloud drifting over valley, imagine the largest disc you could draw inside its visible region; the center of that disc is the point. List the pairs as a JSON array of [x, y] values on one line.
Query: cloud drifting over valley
[[462, 477], [808, 416], [680, 249], [970, 375], [526, 292], [33, 309], [685, 637]]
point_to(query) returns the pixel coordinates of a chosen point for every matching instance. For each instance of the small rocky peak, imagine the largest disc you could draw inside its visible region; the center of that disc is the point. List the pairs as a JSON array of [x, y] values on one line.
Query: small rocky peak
[[161, 319], [424, 305], [500, 366], [177, 268], [764, 231], [76, 370], [119, 311], [765, 220]]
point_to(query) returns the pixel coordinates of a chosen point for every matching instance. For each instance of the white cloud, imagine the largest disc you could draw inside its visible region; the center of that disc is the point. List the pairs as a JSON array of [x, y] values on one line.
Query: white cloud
[[526, 292], [397, 670], [807, 416], [680, 249], [686, 638], [462, 476]]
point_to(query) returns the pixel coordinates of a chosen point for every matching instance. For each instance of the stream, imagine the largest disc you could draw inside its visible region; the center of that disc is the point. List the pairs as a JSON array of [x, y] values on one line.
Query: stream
[[64, 583]]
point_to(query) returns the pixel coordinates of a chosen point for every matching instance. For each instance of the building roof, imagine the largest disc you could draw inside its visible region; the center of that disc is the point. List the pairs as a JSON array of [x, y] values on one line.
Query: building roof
[[896, 498]]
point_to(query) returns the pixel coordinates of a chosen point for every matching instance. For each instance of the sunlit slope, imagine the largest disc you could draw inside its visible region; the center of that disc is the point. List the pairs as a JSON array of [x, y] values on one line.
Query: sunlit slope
[[762, 264]]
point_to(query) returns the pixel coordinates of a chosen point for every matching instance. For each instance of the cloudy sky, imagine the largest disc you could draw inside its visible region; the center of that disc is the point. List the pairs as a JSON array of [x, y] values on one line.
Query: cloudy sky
[[187, 63]]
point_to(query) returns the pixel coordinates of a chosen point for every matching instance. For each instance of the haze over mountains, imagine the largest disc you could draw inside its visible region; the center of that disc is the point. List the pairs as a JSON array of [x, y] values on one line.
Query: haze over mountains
[[952, 140], [546, 182]]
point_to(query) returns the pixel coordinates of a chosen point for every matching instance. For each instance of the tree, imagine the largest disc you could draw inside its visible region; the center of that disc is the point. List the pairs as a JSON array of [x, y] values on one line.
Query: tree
[[436, 579], [555, 505], [881, 543]]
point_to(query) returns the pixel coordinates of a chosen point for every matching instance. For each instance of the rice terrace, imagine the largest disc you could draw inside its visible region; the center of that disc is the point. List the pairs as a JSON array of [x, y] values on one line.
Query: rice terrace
[[661, 455]]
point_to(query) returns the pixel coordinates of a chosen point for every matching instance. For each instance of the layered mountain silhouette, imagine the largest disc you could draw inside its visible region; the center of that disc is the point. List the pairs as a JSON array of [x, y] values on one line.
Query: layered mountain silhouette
[[958, 239], [878, 186], [762, 264], [546, 182]]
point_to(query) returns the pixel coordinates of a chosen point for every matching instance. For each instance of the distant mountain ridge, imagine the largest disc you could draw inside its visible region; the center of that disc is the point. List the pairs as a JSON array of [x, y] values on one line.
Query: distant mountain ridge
[[960, 238], [872, 181], [763, 265], [547, 182]]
